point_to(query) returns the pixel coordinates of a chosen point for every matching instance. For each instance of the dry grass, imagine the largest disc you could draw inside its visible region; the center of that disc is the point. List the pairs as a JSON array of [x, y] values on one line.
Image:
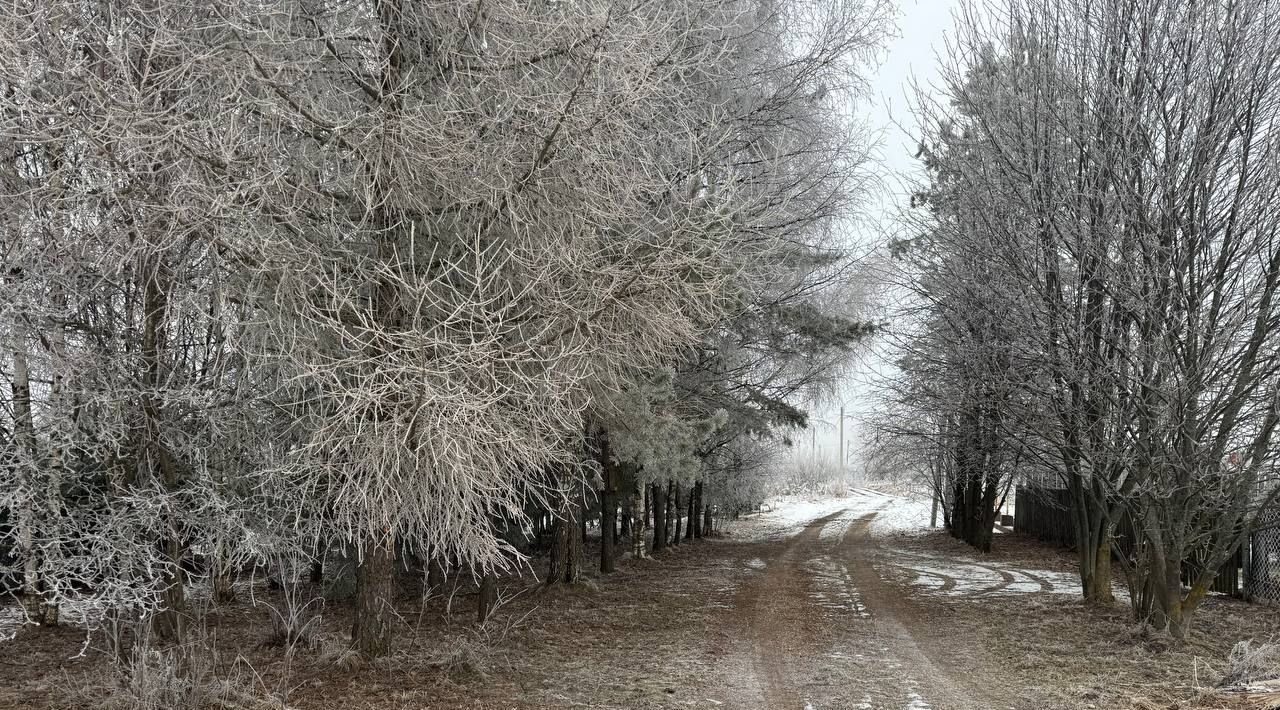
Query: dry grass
[[638, 637], [1055, 651], [659, 633]]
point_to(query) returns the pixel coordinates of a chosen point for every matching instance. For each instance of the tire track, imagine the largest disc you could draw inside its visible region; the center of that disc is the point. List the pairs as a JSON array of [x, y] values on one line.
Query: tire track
[[781, 619], [923, 681], [818, 629]]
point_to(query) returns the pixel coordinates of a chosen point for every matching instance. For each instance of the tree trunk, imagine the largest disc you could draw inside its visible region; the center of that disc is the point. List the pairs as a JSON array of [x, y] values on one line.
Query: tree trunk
[[706, 520], [984, 516], [644, 493], [224, 590], [607, 521], [222, 576], [59, 441], [698, 506], [608, 505], [169, 621], [1094, 529], [691, 530], [488, 597], [565, 564], [674, 509], [375, 579], [637, 534], [315, 572], [659, 517], [28, 457], [1096, 572], [436, 573]]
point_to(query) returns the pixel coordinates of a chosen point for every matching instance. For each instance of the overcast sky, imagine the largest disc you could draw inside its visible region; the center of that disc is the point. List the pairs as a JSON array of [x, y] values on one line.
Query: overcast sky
[[911, 58]]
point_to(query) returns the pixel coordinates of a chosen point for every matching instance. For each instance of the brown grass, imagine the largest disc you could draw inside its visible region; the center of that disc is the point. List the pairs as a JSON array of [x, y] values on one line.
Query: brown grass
[[663, 633], [1051, 651]]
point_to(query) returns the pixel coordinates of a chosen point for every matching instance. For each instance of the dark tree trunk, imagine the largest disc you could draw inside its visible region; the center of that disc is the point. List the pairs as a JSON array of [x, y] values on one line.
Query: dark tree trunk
[[691, 530], [696, 516], [706, 520], [608, 504], [224, 590], [436, 573], [488, 597], [644, 493], [169, 623], [607, 535], [315, 575], [375, 580], [675, 510], [659, 517], [566, 547], [222, 575], [626, 522]]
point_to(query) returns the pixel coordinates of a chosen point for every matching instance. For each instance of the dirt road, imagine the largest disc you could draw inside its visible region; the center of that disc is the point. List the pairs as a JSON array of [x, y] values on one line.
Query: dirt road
[[850, 604], [821, 629]]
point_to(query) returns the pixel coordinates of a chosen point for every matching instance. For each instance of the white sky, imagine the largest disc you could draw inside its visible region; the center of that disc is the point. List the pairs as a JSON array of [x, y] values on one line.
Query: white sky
[[911, 59]]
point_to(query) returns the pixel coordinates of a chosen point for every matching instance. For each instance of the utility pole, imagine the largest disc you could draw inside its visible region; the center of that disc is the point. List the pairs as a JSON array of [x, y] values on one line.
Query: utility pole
[[842, 442]]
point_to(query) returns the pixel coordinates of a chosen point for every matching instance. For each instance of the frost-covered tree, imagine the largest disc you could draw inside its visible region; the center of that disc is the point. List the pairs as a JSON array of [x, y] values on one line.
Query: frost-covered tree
[[290, 272], [1119, 204]]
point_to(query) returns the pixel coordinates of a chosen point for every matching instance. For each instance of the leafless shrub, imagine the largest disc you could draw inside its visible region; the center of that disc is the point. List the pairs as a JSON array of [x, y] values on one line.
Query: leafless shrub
[[189, 676], [338, 653], [295, 618], [1250, 663]]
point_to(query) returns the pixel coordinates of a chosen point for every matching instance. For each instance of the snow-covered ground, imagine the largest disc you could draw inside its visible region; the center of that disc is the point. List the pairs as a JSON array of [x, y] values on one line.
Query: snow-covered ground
[[897, 516], [964, 578], [11, 619], [82, 615], [785, 516], [901, 515]]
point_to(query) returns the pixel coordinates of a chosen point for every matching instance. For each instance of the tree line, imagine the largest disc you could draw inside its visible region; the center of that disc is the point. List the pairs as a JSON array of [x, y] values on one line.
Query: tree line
[[1092, 280], [411, 280]]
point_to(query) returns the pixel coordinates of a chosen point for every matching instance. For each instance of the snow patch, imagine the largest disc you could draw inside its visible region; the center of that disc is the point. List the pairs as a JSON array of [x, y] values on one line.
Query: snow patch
[[835, 588], [835, 530], [79, 613], [902, 515], [11, 620], [915, 702], [784, 517], [756, 563], [962, 578]]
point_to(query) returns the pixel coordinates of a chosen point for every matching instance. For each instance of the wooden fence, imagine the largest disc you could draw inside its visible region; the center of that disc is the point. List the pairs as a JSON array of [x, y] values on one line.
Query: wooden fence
[[1045, 514]]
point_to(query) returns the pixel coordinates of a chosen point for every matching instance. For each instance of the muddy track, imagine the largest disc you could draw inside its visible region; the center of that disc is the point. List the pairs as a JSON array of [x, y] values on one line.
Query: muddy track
[[820, 629], [925, 677], [780, 619]]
